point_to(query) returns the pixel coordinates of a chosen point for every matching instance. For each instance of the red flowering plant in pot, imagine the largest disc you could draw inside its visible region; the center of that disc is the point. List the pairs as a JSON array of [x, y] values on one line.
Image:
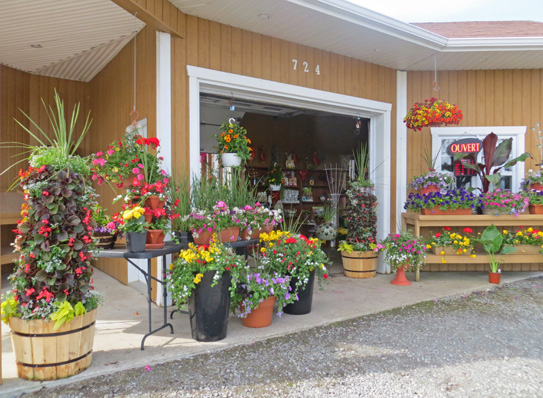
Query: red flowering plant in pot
[[432, 112], [51, 283]]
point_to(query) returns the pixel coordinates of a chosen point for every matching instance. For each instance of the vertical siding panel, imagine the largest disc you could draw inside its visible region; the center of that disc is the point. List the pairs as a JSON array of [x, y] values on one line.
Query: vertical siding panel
[[341, 72], [215, 46], [382, 88], [535, 117], [481, 98], [517, 97], [293, 54], [278, 62], [266, 58], [319, 63], [286, 62], [226, 48], [508, 98], [236, 52], [489, 93], [463, 95], [256, 55], [192, 40], [498, 98], [302, 74], [246, 53], [326, 71], [333, 73], [203, 43], [311, 75], [355, 65], [472, 99], [362, 82]]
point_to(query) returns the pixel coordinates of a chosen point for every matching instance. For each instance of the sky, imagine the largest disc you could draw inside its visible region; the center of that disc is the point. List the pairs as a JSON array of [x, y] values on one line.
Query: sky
[[457, 10]]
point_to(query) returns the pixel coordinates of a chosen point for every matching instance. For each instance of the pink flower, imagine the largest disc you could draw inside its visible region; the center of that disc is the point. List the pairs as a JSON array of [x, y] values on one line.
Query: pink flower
[[110, 152], [99, 153], [140, 177], [135, 170], [141, 166]]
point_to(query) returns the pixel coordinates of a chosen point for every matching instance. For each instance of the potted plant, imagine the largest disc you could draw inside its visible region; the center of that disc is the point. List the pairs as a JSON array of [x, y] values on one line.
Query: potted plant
[[432, 112], [233, 144], [448, 242], [504, 202], [254, 294], [107, 228], [201, 275], [51, 301], [495, 158], [259, 219], [403, 250], [135, 228], [360, 251], [299, 257], [431, 181], [226, 222], [274, 178], [179, 192], [200, 223], [156, 233], [533, 180], [493, 243], [525, 240], [454, 201], [327, 230], [535, 201]]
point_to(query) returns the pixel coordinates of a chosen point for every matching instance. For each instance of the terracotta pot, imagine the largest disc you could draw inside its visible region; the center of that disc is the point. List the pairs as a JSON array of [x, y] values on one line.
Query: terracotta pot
[[154, 202], [401, 279], [204, 238], [429, 188], [155, 239], [538, 187], [494, 277], [255, 234], [261, 316], [492, 211], [436, 211], [448, 250], [229, 234], [148, 218], [535, 209]]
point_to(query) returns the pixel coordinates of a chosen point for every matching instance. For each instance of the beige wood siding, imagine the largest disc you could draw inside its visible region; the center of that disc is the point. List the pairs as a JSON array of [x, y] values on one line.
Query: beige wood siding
[[224, 48], [486, 98]]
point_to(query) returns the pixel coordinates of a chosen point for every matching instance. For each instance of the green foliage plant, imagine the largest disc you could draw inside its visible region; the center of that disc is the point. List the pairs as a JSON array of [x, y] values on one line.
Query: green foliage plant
[[493, 243]]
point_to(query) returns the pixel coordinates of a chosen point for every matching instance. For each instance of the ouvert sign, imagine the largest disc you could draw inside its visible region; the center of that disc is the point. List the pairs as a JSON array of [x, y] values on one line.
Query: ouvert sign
[[467, 145]]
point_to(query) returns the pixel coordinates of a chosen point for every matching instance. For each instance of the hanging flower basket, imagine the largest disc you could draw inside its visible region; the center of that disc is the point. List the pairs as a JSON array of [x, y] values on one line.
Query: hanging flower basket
[[432, 112]]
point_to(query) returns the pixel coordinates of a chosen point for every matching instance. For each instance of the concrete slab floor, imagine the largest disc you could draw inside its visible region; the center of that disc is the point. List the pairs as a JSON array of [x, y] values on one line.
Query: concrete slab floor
[[122, 320]]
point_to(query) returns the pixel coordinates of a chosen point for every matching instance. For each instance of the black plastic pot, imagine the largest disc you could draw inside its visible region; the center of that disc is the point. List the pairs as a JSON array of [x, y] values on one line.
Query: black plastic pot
[[135, 241], [305, 297], [209, 308], [183, 237]]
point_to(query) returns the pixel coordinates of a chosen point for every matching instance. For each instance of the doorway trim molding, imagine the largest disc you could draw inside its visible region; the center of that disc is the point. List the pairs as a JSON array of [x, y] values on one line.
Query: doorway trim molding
[[202, 80]]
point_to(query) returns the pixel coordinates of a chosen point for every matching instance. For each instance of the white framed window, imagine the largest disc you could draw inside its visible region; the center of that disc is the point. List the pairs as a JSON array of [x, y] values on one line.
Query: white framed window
[[510, 178]]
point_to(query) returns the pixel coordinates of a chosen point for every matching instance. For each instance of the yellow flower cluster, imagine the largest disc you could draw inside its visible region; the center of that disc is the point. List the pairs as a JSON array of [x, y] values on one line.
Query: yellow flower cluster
[[136, 213], [274, 235], [198, 278], [461, 242], [199, 253]]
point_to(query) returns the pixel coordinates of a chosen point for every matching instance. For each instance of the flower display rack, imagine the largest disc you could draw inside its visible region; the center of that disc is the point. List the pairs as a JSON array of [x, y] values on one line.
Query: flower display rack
[[425, 225]]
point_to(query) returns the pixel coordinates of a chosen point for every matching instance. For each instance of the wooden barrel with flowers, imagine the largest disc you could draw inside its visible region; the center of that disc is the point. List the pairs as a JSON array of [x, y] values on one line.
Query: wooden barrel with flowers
[[361, 265], [43, 353]]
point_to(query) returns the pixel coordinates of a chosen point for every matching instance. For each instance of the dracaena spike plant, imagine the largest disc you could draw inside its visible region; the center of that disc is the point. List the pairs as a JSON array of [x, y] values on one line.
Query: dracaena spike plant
[[54, 245]]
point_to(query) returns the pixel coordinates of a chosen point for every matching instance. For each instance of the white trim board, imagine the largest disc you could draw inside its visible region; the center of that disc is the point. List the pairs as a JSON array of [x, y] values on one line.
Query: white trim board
[[209, 81]]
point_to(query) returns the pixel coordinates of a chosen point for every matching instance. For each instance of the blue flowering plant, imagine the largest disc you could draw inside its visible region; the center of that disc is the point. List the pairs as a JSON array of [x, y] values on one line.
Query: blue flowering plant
[[441, 180], [535, 197], [448, 200], [250, 287]]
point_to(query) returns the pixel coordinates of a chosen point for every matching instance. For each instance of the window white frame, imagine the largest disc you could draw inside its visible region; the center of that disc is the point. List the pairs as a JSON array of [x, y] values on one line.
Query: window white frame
[[250, 88], [518, 133]]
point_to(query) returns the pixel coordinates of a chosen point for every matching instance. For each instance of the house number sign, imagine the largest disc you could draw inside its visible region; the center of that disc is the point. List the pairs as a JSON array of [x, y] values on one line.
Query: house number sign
[[305, 66]]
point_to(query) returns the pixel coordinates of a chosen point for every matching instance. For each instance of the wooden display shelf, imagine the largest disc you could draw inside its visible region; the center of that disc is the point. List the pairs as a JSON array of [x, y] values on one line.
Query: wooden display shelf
[[484, 258]]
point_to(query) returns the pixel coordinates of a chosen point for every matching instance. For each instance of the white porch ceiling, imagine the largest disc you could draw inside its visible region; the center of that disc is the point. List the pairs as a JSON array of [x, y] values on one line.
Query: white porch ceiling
[[77, 38], [353, 31]]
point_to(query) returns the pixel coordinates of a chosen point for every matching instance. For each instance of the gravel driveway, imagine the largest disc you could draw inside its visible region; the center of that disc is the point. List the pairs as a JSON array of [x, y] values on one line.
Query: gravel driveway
[[485, 345]]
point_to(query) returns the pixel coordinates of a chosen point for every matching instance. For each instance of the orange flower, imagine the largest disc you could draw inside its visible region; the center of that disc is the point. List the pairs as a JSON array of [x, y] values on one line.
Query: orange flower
[[236, 136], [248, 140], [230, 131], [227, 138]]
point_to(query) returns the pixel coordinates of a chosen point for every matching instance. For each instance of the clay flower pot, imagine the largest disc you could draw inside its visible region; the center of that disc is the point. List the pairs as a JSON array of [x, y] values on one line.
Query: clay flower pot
[[261, 316]]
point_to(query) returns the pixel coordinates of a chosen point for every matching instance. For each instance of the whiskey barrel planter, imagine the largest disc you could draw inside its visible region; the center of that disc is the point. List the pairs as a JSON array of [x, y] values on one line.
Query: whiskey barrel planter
[[42, 353], [361, 265]]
